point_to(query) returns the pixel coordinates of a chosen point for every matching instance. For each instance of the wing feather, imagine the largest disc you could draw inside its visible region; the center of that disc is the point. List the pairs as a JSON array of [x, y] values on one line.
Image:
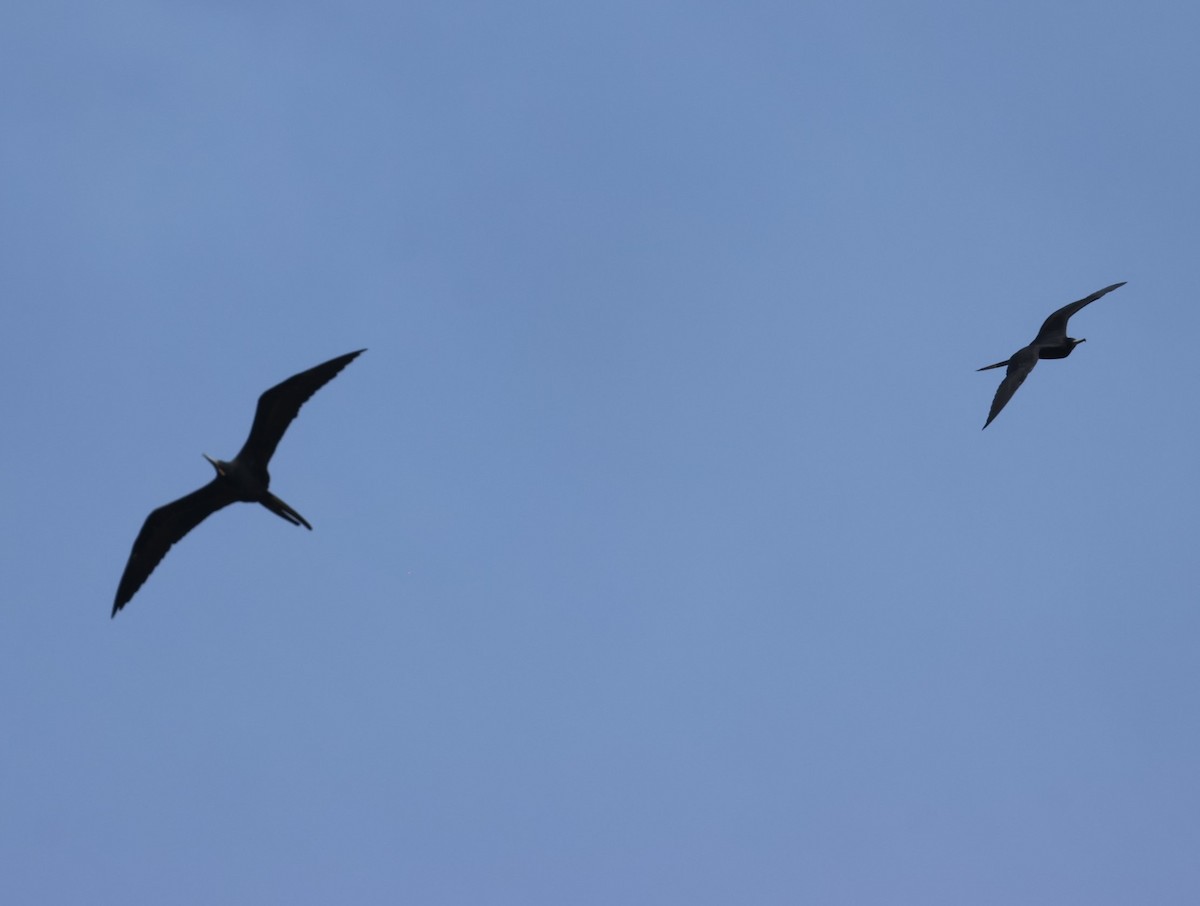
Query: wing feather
[[1055, 327], [163, 528], [278, 406], [1019, 367]]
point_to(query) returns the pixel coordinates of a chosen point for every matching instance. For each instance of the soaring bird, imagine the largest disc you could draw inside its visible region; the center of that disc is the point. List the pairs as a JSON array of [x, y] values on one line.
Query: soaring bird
[[1051, 342], [243, 478]]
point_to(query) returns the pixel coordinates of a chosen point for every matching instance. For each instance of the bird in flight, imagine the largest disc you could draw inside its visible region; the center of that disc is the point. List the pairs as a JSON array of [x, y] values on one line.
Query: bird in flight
[[243, 478], [1051, 342]]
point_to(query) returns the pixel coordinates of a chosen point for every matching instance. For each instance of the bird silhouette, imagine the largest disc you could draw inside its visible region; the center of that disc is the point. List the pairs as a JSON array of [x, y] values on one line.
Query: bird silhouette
[[243, 478], [1051, 342]]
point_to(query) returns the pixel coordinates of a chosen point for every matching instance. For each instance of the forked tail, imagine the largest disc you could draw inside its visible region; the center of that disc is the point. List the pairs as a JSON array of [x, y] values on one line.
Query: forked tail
[[997, 365], [283, 511]]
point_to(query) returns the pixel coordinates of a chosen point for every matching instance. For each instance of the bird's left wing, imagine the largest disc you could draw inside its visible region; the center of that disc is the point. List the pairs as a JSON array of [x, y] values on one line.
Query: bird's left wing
[[279, 405], [164, 527], [1019, 367], [1055, 326]]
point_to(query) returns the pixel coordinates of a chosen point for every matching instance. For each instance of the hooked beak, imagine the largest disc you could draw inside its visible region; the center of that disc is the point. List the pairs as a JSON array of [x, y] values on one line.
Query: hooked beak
[[214, 464]]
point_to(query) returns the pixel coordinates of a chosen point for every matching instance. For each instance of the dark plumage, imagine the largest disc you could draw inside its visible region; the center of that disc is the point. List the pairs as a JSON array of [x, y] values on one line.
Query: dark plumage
[[1051, 342], [243, 478]]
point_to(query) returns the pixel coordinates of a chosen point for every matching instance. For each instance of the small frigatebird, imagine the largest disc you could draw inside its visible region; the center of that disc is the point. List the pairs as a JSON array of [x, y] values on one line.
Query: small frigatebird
[[1051, 342], [243, 478]]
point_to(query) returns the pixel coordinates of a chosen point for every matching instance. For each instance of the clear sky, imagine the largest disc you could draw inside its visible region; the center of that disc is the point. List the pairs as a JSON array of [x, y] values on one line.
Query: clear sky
[[658, 556]]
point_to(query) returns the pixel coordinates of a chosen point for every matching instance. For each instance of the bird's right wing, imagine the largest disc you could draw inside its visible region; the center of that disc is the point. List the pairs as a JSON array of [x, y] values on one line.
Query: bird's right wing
[[279, 405], [1019, 367], [164, 527], [1055, 326]]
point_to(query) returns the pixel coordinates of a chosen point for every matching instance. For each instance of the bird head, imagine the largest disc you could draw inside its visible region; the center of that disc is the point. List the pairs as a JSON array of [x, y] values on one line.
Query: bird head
[[1075, 342], [216, 464]]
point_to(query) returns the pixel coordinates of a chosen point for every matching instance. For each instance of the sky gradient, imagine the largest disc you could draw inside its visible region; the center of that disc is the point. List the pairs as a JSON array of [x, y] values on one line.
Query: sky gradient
[[658, 556]]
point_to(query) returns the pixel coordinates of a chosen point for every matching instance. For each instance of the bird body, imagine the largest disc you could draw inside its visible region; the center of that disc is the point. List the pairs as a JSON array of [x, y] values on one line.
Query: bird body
[[244, 478], [1051, 342], [249, 481]]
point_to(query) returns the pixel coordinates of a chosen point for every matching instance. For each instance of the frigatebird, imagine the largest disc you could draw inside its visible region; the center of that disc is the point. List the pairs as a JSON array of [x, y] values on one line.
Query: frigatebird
[[1051, 342], [243, 478]]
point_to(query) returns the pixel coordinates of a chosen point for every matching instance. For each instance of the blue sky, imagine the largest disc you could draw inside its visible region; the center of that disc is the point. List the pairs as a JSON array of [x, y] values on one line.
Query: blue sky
[[658, 554]]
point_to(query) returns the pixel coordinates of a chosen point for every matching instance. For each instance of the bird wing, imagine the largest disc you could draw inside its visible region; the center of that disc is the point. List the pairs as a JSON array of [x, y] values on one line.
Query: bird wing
[[1055, 327], [279, 405], [1019, 367], [164, 527]]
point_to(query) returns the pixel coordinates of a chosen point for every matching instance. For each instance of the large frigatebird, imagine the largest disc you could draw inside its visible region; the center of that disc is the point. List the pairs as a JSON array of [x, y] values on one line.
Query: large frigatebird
[[243, 478], [1051, 342]]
